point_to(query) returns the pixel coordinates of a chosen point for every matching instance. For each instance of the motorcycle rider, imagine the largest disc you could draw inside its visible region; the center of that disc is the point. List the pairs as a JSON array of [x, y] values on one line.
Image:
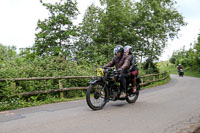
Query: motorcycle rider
[[122, 62], [179, 68], [133, 70]]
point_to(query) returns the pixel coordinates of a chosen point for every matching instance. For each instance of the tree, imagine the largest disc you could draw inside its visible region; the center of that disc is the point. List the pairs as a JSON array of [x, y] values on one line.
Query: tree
[[159, 21], [173, 58], [56, 32], [103, 28], [197, 50], [189, 58], [88, 31], [7, 53], [145, 25], [117, 22]]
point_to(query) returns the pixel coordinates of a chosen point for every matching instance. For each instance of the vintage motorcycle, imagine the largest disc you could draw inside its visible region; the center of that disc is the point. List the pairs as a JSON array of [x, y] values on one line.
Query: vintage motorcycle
[[105, 87]]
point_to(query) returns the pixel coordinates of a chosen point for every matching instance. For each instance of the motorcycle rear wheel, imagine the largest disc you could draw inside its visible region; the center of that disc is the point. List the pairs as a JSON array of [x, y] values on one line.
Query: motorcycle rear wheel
[[96, 96], [133, 96]]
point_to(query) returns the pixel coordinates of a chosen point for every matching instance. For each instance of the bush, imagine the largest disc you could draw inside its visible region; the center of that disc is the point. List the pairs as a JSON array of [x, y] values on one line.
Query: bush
[[49, 66], [150, 67]]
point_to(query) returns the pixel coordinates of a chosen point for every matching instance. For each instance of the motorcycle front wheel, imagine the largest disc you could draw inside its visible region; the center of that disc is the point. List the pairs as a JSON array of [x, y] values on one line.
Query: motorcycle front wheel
[[96, 96]]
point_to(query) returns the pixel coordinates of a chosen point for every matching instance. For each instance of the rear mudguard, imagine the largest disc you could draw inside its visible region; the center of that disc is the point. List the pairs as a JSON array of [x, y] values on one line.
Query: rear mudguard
[[138, 80]]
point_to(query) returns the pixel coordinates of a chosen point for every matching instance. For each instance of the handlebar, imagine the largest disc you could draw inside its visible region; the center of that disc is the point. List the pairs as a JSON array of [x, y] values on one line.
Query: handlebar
[[113, 69], [107, 67]]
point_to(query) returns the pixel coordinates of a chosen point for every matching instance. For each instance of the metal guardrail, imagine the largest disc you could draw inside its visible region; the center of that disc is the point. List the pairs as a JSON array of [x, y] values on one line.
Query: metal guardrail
[[145, 80]]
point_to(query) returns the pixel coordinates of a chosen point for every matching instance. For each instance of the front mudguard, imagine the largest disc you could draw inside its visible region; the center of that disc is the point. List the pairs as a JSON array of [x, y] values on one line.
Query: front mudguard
[[101, 81], [94, 81]]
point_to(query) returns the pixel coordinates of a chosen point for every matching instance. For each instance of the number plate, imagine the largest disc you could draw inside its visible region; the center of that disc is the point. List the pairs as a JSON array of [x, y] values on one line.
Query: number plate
[[100, 72]]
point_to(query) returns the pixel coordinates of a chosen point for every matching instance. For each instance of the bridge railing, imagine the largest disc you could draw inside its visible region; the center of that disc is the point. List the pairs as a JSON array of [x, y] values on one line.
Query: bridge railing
[[145, 80]]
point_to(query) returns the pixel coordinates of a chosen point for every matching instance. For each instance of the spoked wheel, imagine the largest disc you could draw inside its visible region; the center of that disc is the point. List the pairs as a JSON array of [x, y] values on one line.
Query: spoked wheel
[[132, 97], [96, 96]]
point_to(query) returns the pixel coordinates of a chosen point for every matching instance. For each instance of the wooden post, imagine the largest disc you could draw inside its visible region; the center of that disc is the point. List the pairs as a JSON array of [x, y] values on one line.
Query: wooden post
[[142, 81], [61, 88], [14, 87], [154, 78], [165, 75]]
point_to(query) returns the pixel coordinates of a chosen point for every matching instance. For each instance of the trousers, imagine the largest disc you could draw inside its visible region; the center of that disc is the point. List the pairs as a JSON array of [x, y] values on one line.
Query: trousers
[[123, 81]]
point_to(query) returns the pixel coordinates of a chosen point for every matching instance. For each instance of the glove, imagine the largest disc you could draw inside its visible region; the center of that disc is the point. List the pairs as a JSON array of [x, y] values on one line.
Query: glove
[[120, 70], [103, 67]]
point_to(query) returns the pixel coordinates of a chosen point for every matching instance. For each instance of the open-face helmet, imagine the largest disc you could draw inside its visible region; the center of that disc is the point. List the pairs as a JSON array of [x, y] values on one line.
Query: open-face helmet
[[128, 48], [118, 48]]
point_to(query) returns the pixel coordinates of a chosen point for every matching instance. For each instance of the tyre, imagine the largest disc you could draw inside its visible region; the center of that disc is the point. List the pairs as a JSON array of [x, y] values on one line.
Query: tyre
[[181, 74], [96, 96], [133, 96]]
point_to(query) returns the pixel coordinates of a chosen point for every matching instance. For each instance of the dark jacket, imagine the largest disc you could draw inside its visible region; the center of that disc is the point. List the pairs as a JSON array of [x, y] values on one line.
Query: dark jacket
[[123, 62], [133, 65], [179, 68]]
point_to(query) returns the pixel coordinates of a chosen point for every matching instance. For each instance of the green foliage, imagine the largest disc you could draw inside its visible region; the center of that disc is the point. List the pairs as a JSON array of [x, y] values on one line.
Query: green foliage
[[7, 53], [150, 67], [145, 25], [197, 51], [173, 58], [172, 68], [25, 66], [159, 20], [158, 83], [116, 23], [188, 58], [14, 103], [55, 32]]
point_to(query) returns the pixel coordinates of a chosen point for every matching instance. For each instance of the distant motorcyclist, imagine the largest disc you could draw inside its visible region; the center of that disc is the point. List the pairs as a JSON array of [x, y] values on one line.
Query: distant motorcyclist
[[133, 70], [122, 62], [180, 69]]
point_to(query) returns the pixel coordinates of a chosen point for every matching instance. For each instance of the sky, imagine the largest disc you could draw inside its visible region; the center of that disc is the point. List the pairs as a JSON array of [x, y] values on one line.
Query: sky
[[188, 35], [18, 21]]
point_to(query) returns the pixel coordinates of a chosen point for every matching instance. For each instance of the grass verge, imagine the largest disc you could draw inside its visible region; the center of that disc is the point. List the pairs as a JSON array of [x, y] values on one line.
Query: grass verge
[[14, 103], [158, 83], [172, 69]]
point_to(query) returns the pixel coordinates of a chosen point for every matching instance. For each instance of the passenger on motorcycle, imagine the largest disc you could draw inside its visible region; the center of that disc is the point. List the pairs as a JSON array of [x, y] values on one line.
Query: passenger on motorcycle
[[133, 70], [180, 68], [122, 62]]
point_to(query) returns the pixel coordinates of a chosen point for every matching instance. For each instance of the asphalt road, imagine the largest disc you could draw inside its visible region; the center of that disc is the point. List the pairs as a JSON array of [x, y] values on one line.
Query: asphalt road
[[170, 108]]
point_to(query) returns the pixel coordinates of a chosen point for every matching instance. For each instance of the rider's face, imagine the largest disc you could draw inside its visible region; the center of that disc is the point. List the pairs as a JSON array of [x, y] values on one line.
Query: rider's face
[[118, 54], [127, 52]]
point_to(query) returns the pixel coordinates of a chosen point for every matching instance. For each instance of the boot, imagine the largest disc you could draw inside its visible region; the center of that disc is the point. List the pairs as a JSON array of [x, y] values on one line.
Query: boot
[[122, 95]]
